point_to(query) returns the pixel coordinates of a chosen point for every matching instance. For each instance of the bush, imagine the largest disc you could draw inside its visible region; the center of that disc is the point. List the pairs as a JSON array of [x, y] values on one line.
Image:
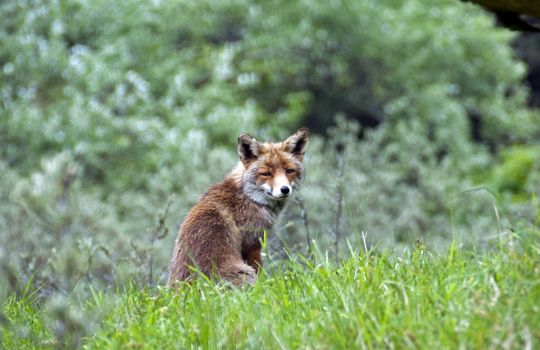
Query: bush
[[108, 109]]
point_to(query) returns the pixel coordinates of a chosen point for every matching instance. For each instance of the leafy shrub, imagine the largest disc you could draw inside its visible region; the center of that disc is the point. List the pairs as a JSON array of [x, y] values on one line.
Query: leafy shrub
[[108, 109]]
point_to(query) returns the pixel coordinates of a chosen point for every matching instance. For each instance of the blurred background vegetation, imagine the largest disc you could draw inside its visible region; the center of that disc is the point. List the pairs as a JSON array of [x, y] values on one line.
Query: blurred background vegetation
[[116, 116]]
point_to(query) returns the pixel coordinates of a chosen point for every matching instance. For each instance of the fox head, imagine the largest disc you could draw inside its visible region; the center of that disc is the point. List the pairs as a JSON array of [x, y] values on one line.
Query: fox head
[[271, 171]]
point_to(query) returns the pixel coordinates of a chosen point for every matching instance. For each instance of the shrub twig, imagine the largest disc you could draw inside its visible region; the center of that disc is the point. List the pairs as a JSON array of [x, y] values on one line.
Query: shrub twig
[[159, 232], [340, 194], [305, 222]]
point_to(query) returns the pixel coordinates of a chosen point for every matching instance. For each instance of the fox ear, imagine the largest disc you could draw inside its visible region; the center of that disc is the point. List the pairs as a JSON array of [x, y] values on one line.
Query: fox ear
[[298, 142], [248, 148]]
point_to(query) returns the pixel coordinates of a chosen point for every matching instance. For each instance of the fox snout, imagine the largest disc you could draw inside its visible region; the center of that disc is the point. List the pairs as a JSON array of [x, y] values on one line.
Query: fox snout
[[280, 188]]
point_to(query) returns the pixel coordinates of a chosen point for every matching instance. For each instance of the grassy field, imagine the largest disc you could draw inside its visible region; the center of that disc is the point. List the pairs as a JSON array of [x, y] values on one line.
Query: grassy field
[[457, 299]]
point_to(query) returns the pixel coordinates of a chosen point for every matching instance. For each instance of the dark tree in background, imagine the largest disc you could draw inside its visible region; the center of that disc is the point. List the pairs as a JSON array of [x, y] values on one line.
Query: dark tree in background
[[527, 48], [522, 16]]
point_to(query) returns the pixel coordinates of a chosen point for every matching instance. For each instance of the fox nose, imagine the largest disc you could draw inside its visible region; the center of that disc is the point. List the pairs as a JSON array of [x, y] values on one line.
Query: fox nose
[[285, 189]]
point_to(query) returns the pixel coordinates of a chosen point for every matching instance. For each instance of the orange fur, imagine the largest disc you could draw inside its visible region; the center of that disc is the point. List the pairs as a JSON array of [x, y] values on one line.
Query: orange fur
[[221, 234]]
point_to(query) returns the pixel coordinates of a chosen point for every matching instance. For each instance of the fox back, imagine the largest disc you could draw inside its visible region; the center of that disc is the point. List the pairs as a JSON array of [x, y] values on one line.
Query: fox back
[[221, 234]]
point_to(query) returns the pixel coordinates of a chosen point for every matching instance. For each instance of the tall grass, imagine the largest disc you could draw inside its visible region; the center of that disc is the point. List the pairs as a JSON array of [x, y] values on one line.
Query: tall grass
[[459, 299]]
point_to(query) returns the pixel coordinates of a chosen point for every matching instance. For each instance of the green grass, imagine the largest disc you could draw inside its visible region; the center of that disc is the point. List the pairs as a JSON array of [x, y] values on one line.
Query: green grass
[[458, 299], [23, 326]]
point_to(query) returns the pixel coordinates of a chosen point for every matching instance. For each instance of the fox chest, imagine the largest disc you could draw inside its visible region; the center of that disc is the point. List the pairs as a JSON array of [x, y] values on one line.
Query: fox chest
[[253, 229], [251, 240]]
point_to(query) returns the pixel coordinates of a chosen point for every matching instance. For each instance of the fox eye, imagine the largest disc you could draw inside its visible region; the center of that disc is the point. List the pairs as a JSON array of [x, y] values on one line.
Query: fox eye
[[290, 171], [266, 174]]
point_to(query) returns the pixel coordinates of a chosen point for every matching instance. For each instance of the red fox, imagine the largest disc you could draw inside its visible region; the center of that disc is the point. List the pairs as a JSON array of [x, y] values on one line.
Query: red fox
[[221, 234]]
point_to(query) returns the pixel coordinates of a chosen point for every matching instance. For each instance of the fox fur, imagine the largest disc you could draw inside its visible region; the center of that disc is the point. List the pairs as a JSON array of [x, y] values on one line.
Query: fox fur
[[221, 235]]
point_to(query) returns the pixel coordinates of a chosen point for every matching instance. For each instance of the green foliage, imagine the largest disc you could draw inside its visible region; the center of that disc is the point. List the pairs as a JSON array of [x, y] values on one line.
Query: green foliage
[[110, 109], [107, 90], [62, 247], [514, 171], [422, 300], [124, 94], [61, 322], [391, 192]]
